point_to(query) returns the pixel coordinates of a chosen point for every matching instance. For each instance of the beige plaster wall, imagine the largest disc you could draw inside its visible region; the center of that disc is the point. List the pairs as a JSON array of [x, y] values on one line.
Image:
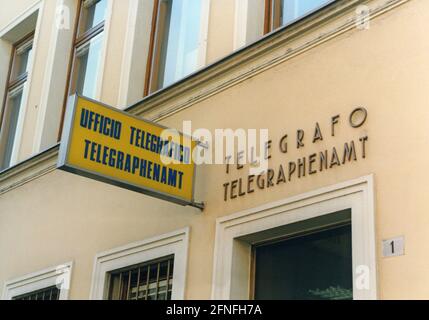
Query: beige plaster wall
[[61, 217]]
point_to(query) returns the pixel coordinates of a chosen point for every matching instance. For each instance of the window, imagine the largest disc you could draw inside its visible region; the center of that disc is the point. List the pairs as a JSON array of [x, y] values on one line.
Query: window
[[175, 43], [84, 71], [52, 293], [49, 284], [282, 12], [331, 224], [12, 105], [88, 48], [151, 269], [314, 266], [148, 281]]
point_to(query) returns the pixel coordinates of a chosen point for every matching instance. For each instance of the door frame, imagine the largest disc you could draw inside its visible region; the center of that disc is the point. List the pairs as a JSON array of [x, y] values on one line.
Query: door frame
[[232, 256]]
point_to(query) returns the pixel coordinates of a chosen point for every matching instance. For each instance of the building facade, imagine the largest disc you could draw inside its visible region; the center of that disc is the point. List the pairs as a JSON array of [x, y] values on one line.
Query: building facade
[[339, 213]]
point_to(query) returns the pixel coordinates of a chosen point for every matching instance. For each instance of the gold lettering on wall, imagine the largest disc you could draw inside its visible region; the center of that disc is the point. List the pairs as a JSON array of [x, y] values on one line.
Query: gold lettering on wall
[[309, 165]]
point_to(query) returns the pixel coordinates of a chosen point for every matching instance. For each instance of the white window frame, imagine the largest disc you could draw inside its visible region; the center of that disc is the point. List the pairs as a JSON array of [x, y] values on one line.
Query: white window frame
[[105, 47], [58, 59], [9, 33], [248, 22], [231, 269], [135, 53], [175, 243], [59, 276], [57, 62], [135, 56]]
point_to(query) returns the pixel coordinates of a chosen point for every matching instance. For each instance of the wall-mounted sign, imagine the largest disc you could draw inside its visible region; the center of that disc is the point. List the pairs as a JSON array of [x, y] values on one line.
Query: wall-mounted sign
[[114, 147], [321, 158]]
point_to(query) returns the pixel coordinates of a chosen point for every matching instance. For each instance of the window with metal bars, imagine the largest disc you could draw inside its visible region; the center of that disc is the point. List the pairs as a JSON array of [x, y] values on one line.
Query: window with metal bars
[[147, 281], [47, 294]]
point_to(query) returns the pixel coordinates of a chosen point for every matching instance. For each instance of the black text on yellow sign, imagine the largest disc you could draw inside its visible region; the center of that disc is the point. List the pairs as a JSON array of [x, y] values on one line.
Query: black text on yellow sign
[[111, 146]]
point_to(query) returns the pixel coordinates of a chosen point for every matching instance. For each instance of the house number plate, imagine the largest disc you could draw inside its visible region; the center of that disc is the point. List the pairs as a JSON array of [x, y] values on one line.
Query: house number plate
[[393, 247]]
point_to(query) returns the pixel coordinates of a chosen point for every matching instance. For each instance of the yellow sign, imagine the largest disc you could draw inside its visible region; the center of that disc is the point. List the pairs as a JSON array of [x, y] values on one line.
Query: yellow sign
[[111, 146]]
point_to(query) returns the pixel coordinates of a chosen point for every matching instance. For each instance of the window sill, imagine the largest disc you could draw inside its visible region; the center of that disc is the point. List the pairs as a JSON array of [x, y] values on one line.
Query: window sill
[[29, 169]]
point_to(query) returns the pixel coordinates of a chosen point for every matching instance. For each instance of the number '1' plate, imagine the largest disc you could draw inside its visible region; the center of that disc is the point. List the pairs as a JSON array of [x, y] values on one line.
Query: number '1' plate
[[393, 247]]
